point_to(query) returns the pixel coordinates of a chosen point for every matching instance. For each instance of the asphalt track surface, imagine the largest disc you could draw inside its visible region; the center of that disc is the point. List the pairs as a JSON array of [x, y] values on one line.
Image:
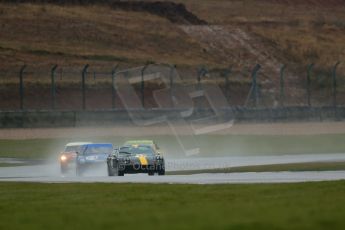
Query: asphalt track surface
[[49, 173]]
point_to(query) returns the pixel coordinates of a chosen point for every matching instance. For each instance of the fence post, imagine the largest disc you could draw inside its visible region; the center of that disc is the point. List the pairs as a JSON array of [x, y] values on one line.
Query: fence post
[[142, 88], [201, 73], [334, 84], [172, 70], [310, 68], [21, 87], [254, 83], [227, 73], [113, 90], [83, 76], [282, 86], [53, 86]]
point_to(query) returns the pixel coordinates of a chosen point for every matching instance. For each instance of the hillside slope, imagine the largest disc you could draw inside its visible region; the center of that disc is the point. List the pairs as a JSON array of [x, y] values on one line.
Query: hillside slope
[[70, 35], [133, 32], [303, 31]]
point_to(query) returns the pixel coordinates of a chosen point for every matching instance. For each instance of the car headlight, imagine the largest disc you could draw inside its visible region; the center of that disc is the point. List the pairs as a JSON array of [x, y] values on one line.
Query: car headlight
[[159, 158], [63, 158]]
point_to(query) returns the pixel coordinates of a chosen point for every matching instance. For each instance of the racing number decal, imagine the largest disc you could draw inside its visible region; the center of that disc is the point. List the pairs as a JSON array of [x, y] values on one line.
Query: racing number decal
[[143, 160]]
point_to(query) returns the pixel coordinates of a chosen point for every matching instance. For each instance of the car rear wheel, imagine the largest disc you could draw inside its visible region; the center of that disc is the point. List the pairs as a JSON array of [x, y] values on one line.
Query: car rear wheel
[[111, 171], [161, 172], [120, 173]]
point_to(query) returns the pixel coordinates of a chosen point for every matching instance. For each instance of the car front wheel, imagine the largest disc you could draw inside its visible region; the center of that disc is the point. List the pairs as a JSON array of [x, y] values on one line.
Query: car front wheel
[[63, 169], [117, 172], [111, 171]]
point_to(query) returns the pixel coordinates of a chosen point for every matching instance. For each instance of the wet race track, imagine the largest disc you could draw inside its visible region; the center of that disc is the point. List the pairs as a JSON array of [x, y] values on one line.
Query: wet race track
[[49, 173]]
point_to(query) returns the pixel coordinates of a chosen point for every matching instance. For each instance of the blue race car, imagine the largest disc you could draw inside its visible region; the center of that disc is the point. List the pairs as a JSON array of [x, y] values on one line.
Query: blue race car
[[92, 156]]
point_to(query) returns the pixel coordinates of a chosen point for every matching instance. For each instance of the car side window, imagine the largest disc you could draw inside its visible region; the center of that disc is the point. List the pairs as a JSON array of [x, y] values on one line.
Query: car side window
[[82, 150]]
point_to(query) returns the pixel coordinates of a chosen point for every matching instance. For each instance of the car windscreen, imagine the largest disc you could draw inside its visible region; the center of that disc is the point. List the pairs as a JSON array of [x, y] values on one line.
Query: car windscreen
[[72, 148], [97, 149], [145, 150]]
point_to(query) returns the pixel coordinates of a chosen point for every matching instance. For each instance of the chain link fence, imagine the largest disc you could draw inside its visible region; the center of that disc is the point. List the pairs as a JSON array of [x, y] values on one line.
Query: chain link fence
[[105, 88]]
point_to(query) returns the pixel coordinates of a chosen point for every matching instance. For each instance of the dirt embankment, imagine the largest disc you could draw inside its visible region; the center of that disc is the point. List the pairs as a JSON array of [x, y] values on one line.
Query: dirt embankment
[[174, 12], [328, 3]]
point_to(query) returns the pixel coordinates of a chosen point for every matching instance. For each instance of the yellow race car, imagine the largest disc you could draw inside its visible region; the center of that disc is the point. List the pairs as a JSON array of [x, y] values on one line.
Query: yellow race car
[[136, 157]]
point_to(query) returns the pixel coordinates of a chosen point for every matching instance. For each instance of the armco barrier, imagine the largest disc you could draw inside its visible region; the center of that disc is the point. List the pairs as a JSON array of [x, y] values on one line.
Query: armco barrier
[[30, 119]]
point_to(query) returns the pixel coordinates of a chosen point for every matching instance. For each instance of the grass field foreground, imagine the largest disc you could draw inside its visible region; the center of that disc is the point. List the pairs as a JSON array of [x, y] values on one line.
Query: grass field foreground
[[114, 206]]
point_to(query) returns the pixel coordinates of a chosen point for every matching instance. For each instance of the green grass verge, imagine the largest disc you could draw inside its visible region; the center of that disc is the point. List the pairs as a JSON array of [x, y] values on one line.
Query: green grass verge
[[35, 148], [2, 164], [310, 166], [313, 206], [210, 145]]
